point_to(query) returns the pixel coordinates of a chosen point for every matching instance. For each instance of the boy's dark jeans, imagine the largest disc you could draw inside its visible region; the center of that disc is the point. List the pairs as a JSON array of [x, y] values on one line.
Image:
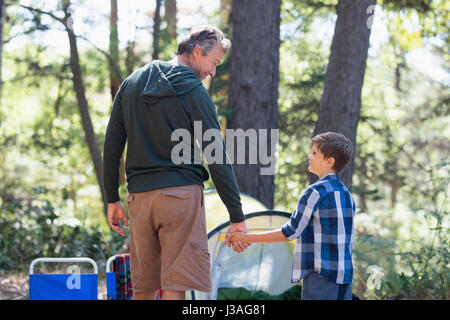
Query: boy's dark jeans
[[316, 287]]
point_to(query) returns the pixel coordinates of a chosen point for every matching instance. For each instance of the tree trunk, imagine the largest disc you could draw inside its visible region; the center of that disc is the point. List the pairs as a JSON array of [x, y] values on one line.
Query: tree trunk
[[83, 106], [115, 79], [2, 23], [340, 106], [253, 91], [225, 14], [114, 70], [130, 59], [156, 26], [171, 17]]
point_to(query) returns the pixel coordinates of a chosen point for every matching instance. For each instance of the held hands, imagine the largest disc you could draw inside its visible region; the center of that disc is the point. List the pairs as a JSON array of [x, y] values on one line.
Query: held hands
[[232, 237], [116, 214], [237, 236]]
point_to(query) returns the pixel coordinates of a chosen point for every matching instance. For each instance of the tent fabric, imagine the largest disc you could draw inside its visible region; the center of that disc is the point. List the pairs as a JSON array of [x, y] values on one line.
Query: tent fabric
[[293, 293], [217, 213], [262, 267]]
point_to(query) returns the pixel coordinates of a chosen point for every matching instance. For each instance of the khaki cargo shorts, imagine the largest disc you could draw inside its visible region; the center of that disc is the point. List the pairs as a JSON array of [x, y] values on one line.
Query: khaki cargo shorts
[[168, 241]]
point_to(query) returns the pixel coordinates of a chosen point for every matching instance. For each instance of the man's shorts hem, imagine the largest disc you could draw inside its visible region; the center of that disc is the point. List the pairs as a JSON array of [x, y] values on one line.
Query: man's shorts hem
[[183, 286]]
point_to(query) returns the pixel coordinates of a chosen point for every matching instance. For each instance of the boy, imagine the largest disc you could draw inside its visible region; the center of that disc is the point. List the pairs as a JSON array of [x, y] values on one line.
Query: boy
[[322, 223]]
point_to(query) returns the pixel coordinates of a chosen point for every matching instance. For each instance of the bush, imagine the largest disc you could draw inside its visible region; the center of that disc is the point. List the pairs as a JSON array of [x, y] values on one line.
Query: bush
[[28, 230], [390, 265]]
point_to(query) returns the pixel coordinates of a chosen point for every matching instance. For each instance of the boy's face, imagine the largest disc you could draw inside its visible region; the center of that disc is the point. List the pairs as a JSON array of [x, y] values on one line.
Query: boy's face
[[318, 164]]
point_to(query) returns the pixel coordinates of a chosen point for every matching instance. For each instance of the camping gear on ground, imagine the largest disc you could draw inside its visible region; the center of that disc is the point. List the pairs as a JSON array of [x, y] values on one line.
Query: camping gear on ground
[[73, 285], [262, 267]]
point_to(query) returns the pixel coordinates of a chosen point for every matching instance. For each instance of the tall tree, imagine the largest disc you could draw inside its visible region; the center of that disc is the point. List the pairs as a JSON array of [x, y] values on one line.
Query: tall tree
[[114, 74], [225, 14], [2, 22], [156, 29], [114, 67], [218, 85], [77, 79], [130, 59], [253, 90], [170, 16], [340, 105], [83, 105]]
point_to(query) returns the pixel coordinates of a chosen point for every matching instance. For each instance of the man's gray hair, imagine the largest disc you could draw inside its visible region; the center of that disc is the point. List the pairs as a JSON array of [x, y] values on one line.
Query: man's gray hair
[[204, 36]]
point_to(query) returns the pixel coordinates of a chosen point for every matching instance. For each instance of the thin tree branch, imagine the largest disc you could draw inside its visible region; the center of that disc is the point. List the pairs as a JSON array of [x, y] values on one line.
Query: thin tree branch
[[61, 20], [106, 54]]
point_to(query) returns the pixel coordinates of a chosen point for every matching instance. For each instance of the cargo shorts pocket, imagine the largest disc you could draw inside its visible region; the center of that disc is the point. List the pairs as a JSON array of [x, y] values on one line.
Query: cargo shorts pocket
[[201, 247], [129, 199], [181, 194]]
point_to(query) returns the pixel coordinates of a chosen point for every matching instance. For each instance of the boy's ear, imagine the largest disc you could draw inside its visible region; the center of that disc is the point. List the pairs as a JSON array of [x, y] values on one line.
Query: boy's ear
[[331, 161]]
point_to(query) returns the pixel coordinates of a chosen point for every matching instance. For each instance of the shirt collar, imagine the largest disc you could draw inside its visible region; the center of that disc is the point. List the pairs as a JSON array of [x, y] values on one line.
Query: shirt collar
[[330, 176]]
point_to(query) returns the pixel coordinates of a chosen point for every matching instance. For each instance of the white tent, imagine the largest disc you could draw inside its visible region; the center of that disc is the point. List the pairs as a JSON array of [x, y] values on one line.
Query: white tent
[[216, 212], [265, 267]]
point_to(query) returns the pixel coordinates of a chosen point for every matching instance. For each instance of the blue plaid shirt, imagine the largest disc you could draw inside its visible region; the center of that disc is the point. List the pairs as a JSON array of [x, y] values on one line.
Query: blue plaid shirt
[[322, 223]]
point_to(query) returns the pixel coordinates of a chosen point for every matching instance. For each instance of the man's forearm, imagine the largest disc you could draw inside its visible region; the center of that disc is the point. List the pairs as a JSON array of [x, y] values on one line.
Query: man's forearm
[[226, 186]]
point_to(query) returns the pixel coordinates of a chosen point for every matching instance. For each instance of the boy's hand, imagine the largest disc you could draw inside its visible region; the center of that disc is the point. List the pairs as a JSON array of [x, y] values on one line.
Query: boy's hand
[[238, 246], [237, 236], [238, 241]]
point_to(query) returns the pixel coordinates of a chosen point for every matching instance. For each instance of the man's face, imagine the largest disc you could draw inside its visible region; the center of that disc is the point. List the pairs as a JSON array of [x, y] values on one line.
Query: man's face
[[205, 66], [317, 162]]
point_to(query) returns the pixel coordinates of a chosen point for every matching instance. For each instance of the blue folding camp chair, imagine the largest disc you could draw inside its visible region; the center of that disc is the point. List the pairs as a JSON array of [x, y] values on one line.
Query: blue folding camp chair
[[70, 286]]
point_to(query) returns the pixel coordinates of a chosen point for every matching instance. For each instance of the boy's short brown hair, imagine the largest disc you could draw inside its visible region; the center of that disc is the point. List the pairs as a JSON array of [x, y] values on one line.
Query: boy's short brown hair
[[334, 145]]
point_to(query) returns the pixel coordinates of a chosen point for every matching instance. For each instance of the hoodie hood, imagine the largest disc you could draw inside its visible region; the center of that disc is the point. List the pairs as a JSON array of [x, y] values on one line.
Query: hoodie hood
[[168, 80]]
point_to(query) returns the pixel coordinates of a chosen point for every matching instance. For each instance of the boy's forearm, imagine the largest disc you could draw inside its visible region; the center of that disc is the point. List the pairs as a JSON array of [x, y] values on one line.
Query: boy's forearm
[[263, 237]]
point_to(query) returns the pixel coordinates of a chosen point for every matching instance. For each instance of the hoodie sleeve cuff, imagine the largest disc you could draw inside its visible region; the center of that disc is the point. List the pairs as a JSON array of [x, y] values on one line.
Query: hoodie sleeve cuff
[[112, 196], [237, 217]]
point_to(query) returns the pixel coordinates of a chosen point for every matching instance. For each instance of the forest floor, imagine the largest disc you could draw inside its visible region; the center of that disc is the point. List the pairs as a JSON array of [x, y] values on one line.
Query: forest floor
[[16, 287]]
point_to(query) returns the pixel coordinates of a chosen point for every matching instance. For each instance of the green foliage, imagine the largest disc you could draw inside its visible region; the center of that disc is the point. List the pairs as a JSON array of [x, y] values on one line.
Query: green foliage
[[303, 61], [402, 145], [29, 230], [408, 260]]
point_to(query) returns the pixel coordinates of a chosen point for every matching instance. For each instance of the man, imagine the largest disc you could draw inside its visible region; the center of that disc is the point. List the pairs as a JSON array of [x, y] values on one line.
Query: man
[[168, 241]]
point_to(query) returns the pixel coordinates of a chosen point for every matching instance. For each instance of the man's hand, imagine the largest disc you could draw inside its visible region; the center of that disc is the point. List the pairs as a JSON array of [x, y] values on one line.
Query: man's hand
[[238, 246], [116, 214]]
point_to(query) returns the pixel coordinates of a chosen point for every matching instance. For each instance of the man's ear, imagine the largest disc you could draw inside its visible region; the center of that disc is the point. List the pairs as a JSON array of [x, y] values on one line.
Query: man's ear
[[197, 51]]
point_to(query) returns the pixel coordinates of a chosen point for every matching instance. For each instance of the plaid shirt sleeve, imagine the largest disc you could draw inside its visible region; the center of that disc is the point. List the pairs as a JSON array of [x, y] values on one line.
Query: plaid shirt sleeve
[[306, 206]]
